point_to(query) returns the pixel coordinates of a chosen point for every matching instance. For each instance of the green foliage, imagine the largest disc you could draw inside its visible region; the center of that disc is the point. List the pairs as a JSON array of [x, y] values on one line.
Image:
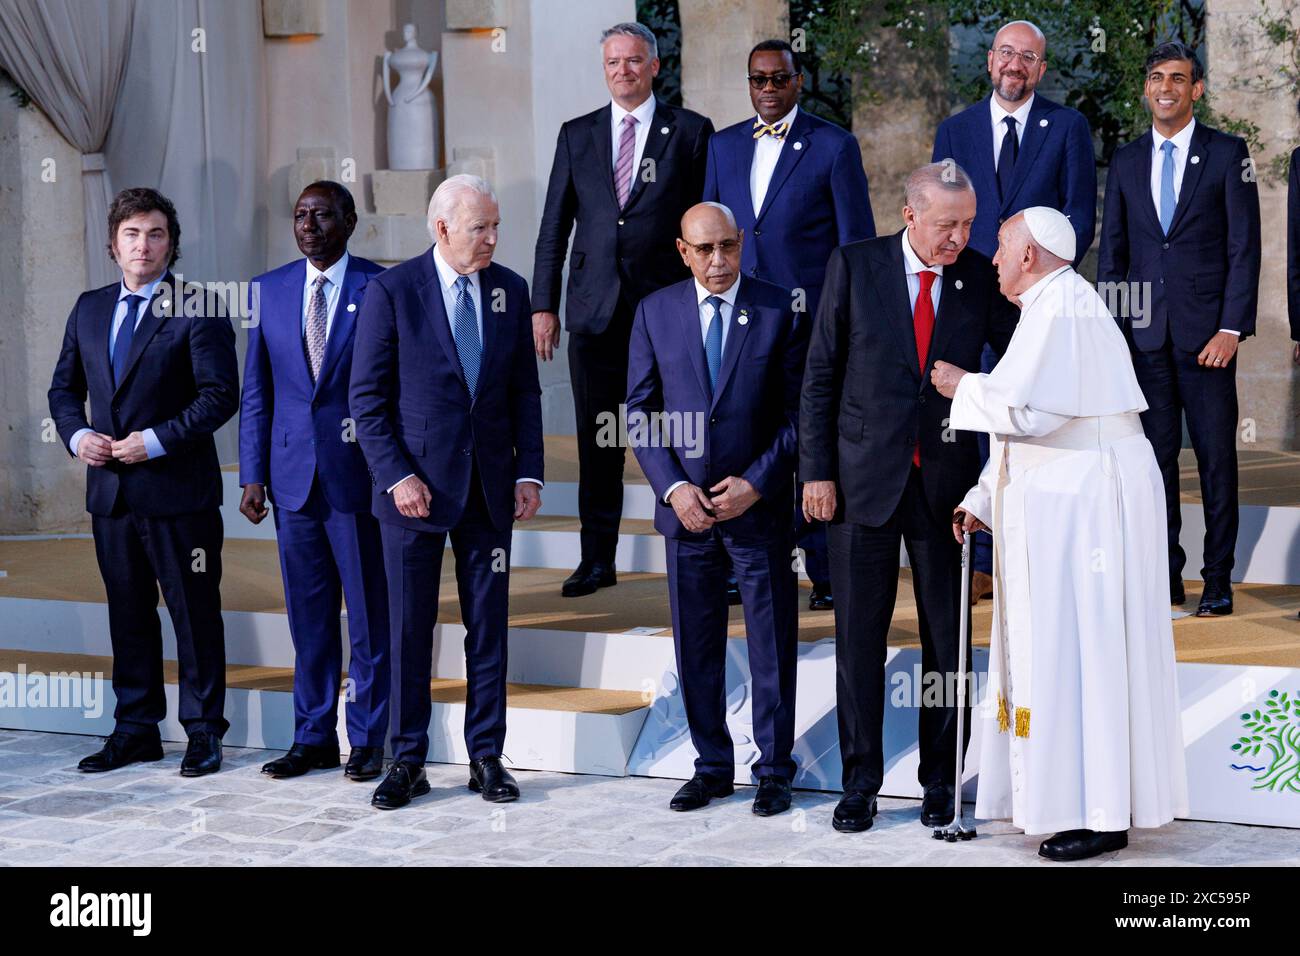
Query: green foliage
[[17, 94], [1275, 730], [661, 16]]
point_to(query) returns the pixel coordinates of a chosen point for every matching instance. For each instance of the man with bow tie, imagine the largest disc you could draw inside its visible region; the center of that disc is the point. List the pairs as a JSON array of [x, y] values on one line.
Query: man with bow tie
[[297, 445], [797, 188]]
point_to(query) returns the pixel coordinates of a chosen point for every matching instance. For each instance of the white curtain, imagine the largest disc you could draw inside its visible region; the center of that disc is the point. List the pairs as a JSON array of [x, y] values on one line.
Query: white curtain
[[70, 56]]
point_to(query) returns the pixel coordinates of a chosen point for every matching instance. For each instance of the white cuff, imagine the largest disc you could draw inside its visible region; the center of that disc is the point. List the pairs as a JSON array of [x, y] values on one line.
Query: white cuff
[[671, 488], [76, 439], [395, 484]]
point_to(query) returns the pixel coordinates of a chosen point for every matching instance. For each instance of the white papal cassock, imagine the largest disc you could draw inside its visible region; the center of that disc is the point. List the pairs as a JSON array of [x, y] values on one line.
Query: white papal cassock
[[1081, 725]]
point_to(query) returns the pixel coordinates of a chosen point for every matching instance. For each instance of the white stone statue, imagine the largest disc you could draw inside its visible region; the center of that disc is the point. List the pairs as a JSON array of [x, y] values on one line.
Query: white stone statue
[[411, 109]]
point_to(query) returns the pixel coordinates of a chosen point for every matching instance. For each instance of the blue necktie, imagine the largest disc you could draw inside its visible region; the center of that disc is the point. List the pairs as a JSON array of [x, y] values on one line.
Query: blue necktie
[[125, 332], [713, 341], [1007, 156], [1168, 201], [464, 329]]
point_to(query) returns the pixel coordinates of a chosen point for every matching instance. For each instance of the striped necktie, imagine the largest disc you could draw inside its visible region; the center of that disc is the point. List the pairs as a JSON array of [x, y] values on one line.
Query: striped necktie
[[626, 153]]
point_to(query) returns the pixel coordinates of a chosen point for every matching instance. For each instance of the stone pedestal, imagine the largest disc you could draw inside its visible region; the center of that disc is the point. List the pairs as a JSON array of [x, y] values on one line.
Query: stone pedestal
[[717, 36], [291, 18], [404, 192]]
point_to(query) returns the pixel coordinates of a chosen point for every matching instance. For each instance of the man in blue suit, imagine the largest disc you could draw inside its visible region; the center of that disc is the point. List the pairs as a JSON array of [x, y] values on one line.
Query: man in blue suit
[[1047, 162], [161, 375], [721, 356], [448, 412], [1180, 226], [297, 445], [796, 186]]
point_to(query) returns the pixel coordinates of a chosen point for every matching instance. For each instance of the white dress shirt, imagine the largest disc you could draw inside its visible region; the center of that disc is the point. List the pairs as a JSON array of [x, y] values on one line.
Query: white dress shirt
[[706, 317], [152, 446], [913, 266], [1021, 115], [1182, 141], [333, 288], [447, 277], [644, 115], [767, 150]]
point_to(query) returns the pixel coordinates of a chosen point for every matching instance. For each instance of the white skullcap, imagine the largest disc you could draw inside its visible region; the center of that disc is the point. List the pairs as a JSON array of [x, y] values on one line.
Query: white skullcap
[[1051, 230]]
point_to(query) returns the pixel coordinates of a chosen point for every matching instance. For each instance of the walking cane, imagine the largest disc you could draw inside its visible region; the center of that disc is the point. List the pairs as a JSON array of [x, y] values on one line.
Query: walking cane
[[957, 829]]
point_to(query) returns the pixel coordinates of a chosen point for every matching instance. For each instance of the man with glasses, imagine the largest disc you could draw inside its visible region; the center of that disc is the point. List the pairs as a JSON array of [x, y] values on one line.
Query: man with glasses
[[798, 190], [726, 352], [1020, 150], [623, 176]]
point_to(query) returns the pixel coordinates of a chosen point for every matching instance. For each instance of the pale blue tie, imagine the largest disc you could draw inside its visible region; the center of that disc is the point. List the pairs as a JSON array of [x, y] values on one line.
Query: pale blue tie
[[464, 329], [1168, 201], [713, 341]]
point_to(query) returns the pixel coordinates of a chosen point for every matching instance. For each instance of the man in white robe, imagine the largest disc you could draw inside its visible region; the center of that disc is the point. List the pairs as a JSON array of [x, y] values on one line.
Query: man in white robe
[[1081, 731]]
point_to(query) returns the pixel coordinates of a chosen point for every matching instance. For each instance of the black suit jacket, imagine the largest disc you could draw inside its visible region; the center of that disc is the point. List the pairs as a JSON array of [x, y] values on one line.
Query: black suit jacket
[[1203, 276], [866, 402], [182, 380], [1293, 245], [619, 256]]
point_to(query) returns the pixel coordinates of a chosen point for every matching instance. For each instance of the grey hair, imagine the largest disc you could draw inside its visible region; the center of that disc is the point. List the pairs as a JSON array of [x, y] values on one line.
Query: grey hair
[[449, 194], [943, 175], [1033, 27], [640, 31]]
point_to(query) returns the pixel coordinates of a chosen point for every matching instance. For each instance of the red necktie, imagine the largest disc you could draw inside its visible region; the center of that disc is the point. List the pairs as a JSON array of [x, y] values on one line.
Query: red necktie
[[923, 322]]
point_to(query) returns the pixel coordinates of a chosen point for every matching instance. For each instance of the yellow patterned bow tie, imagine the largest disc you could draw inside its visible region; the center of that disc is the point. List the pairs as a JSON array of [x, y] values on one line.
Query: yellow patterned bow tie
[[775, 130]]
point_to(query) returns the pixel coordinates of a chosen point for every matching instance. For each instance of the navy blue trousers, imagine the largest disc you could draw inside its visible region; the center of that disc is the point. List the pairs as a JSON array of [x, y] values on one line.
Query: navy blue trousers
[[697, 576], [413, 560], [326, 556]]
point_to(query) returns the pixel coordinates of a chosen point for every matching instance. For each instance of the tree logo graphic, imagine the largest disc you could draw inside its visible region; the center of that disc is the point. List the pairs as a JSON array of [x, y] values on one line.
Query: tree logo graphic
[[1274, 736]]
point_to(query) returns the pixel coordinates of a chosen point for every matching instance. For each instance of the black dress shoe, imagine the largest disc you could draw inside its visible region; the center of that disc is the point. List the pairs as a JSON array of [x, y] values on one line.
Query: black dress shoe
[[404, 781], [589, 576], [938, 804], [1082, 844], [1216, 600], [300, 759], [773, 796], [488, 777], [821, 598], [203, 755], [1177, 593], [733, 593], [854, 812], [364, 763], [699, 790], [119, 750]]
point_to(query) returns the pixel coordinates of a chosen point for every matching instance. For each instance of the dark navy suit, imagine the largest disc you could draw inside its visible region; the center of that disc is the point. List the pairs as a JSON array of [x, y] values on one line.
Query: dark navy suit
[[1293, 245], [1201, 277], [415, 416], [748, 424], [817, 199], [296, 437], [155, 519]]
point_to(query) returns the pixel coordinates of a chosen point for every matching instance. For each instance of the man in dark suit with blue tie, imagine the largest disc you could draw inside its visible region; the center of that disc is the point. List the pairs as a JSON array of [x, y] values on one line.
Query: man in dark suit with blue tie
[[622, 177], [720, 357], [797, 188], [1047, 162], [297, 445], [448, 411], [1180, 228], [158, 365]]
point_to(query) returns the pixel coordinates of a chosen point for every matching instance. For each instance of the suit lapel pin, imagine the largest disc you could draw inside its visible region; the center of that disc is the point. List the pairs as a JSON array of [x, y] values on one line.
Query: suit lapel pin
[[1042, 122], [1195, 160], [743, 319], [957, 284], [664, 130], [798, 145], [352, 307]]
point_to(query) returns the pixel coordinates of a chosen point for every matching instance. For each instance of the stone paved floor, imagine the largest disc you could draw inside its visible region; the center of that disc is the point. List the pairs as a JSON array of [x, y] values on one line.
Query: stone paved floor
[[148, 815]]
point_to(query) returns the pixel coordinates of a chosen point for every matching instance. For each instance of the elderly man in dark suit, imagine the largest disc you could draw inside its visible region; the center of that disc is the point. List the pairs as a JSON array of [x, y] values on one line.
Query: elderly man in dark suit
[[1181, 222], [448, 412], [725, 352], [296, 446], [160, 371], [878, 460], [624, 175]]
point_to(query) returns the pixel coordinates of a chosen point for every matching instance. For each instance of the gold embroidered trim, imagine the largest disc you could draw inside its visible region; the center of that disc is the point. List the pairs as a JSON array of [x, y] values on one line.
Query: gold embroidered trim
[[1022, 721], [1004, 715]]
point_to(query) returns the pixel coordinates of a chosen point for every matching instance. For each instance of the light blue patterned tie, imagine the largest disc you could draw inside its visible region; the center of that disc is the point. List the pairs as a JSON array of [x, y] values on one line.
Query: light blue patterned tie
[[1168, 201], [713, 341], [464, 329]]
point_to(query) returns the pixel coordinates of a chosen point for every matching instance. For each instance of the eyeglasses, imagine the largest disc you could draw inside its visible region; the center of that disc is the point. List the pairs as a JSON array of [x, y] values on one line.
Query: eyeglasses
[[706, 249], [779, 81], [1006, 54]]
